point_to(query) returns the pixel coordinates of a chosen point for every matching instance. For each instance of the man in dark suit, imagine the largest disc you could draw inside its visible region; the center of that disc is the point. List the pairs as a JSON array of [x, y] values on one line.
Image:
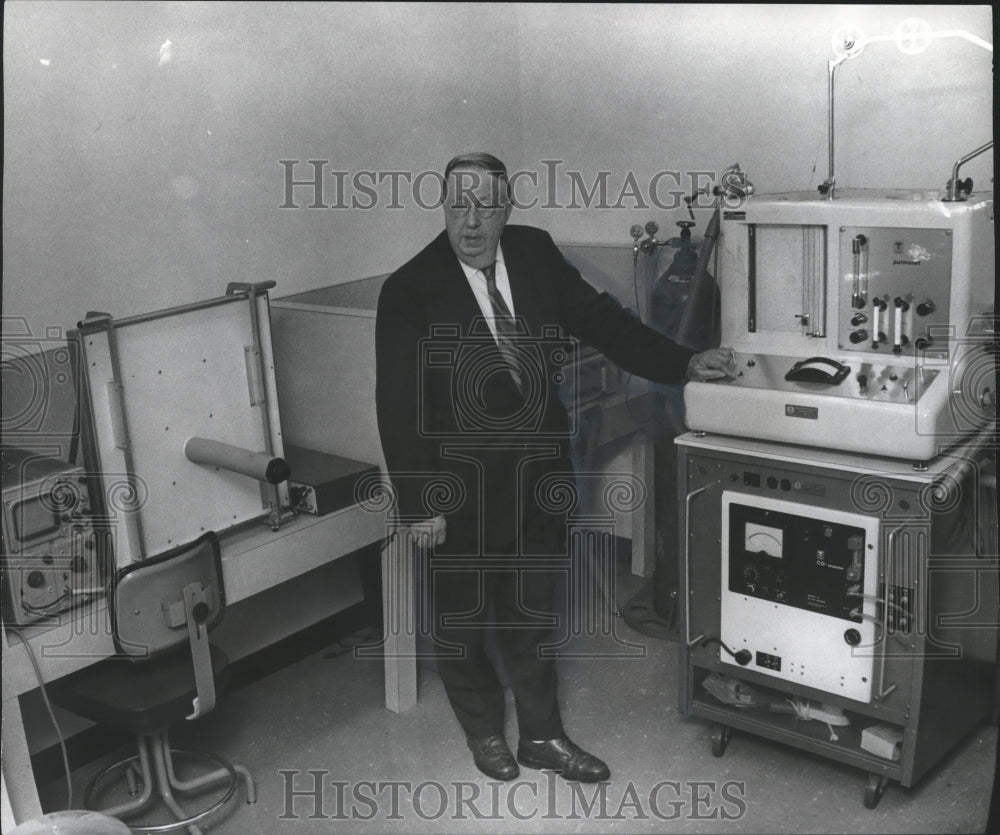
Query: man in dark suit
[[471, 338]]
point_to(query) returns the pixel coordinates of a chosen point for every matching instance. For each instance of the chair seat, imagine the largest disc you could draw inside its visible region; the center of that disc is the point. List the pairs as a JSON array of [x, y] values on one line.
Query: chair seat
[[140, 697]]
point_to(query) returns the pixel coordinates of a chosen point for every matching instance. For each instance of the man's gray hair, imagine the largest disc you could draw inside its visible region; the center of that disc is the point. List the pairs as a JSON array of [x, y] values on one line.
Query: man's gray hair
[[479, 159]]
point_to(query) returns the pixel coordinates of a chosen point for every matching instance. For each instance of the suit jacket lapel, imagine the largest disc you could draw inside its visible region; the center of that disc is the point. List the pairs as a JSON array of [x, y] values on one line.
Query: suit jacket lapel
[[451, 297]]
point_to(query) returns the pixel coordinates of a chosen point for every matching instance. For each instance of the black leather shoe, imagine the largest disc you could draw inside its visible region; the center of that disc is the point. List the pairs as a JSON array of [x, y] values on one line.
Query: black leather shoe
[[565, 756], [493, 757]]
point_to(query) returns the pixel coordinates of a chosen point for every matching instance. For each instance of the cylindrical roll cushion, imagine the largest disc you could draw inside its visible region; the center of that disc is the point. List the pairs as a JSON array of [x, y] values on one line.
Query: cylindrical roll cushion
[[258, 465]]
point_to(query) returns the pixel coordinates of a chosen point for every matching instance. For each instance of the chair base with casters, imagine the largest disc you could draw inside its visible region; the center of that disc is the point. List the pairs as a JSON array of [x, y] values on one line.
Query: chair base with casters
[[133, 698], [166, 671], [152, 769]]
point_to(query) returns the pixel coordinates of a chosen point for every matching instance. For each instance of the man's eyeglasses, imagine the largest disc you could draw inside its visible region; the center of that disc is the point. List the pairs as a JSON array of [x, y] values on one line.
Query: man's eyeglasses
[[461, 209]]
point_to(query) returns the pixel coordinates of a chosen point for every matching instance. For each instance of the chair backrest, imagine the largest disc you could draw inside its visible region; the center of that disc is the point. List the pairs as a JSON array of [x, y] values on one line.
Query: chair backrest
[[149, 611], [168, 600]]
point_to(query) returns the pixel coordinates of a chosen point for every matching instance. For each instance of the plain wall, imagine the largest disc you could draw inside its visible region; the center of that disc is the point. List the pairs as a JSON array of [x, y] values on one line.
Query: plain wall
[[143, 140]]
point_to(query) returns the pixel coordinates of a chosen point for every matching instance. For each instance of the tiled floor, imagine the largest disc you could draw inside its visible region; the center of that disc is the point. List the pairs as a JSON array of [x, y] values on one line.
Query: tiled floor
[[328, 757]]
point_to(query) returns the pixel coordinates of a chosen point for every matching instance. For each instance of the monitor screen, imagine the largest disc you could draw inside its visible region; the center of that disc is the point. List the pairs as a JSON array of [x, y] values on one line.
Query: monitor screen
[[33, 518]]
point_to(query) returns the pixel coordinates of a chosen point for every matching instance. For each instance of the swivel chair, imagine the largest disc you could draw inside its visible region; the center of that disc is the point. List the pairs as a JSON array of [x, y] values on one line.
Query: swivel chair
[[161, 612]]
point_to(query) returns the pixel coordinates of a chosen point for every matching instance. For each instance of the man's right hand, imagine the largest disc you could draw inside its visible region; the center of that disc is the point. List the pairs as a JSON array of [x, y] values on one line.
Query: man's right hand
[[712, 364]]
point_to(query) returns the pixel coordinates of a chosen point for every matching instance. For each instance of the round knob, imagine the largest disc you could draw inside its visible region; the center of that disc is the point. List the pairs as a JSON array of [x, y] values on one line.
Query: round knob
[[859, 319], [924, 342], [743, 657], [926, 307], [853, 637], [859, 335], [36, 579]]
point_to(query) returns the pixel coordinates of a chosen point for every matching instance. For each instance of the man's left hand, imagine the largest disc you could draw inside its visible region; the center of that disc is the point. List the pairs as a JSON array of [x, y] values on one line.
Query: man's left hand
[[712, 364]]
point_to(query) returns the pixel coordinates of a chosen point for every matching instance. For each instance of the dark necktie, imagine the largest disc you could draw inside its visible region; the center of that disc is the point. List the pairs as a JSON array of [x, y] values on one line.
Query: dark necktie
[[504, 323]]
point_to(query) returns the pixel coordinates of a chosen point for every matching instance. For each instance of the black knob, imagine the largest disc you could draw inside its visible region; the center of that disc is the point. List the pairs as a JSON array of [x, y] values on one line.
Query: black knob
[[924, 342], [926, 307], [853, 637], [863, 381], [880, 304], [743, 657], [36, 579], [901, 303], [859, 335], [859, 319]]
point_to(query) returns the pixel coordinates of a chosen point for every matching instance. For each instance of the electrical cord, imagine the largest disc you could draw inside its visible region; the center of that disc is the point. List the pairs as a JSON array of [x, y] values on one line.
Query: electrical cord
[[52, 715], [712, 640], [878, 600], [69, 595], [857, 613]]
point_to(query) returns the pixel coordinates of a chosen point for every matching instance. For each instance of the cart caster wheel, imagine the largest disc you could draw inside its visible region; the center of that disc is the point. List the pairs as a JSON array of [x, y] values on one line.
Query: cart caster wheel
[[875, 789], [720, 739]]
